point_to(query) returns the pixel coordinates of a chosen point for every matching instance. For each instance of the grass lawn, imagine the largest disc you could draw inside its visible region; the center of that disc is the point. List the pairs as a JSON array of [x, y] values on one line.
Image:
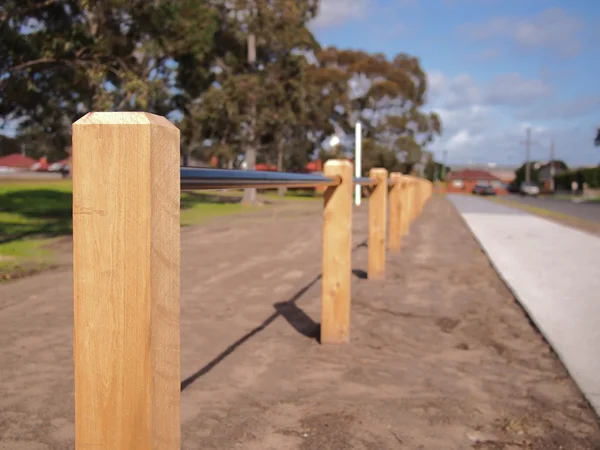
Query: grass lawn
[[34, 214]]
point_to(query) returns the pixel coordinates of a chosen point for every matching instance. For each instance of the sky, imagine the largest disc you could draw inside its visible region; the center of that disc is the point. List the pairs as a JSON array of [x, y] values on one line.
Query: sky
[[494, 69]]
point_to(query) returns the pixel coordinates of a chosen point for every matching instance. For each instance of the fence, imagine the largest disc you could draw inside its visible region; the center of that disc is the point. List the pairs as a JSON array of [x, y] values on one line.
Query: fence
[[126, 233]]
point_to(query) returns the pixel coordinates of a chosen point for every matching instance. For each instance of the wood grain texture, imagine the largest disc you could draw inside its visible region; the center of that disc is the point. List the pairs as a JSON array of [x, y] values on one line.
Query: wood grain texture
[[395, 207], [126, 195], [407, 201], [377, 224], [337, 254]]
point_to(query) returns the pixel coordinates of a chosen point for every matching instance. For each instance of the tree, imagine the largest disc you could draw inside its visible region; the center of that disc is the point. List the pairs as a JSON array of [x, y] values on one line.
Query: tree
[[189, 60], [387, 97], [63, 58], [261, 104]]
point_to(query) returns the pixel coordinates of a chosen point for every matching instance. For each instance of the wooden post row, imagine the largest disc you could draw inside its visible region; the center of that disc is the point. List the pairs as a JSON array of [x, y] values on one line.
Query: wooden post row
[[126, 249], [126, 198]]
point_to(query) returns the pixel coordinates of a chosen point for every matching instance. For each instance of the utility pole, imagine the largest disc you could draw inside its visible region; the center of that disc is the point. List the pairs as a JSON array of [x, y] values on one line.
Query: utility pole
[[552, 173], [528, 156], [528, 142], [250, 193]]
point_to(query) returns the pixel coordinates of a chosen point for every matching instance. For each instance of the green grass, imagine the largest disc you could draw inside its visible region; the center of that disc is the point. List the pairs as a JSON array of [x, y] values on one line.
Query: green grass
[[197, 207], [298, 194], [573, 197], [24, 256], [34, 214]]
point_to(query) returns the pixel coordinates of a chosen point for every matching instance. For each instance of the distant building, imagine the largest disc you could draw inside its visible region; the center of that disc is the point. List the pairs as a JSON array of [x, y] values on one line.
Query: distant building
[[506, 175], [16, 162], [463, 181], [545, 173]]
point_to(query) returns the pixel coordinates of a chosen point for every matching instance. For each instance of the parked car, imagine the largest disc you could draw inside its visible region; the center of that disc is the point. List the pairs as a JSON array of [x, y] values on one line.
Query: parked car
[[483, 189], [513, 188], [529, 189]]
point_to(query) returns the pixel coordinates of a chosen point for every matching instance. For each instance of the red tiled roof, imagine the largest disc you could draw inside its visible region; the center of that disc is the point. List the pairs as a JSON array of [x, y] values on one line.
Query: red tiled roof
[[311, 166], [17, 161], [265, 167], [469, 174]]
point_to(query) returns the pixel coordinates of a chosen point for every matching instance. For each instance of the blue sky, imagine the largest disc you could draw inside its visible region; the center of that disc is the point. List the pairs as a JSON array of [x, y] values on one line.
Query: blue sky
[[495, 67]]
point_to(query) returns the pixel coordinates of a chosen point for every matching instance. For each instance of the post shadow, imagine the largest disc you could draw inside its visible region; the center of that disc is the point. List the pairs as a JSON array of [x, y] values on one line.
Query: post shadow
[[359, 273], [291, 312], [288, 310]]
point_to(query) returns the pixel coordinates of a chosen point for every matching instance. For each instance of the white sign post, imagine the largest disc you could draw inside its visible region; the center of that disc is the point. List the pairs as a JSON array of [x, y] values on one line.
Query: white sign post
[[357, 161]]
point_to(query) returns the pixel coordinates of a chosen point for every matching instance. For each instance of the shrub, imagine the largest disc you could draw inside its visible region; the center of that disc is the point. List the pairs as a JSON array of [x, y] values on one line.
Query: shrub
[[589, 175]]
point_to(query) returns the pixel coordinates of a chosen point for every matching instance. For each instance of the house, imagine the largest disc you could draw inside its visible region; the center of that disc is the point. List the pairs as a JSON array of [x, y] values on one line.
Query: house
[[545, 173], [506, 175], [465, 180], [16, 162]]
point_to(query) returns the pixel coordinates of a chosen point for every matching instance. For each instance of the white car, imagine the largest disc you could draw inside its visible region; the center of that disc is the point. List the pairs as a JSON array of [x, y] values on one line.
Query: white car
[[530, 188]]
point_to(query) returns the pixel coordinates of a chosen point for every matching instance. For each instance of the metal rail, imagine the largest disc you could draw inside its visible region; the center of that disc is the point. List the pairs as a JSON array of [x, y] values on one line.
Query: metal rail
[[365, 181], [203, 178]]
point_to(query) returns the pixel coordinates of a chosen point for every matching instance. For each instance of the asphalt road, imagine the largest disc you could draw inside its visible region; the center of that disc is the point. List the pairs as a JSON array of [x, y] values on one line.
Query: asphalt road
[[585, 211]]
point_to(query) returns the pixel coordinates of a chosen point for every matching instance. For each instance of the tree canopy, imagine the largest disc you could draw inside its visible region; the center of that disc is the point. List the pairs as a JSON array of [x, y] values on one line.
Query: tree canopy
[[234, 76]]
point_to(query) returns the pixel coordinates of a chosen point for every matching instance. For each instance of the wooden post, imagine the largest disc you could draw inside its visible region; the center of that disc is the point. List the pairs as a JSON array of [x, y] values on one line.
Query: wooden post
[[377, 223], [126, 253], [419, 192], [396, 213], [337, 254], [408, 201]]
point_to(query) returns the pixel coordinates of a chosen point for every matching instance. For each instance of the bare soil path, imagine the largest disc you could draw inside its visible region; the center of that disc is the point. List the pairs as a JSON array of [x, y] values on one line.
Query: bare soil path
[[441, 356]]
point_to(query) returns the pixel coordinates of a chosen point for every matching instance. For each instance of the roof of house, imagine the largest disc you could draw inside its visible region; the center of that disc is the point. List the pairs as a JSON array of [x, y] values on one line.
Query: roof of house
[[505, 175], [17, 161], [471, 174], [484, 167]]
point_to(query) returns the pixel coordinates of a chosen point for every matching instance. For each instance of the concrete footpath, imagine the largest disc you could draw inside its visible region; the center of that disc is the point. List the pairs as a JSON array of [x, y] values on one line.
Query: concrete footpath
[[554, 272]]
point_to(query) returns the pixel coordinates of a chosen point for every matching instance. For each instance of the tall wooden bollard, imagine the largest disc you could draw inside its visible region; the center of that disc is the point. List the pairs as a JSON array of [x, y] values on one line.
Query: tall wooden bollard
[[377, 224], [126, 253], [410, 210], [396, 213], [421, 196], [337, 254], [415, 198], [406, 216], [417, 202]]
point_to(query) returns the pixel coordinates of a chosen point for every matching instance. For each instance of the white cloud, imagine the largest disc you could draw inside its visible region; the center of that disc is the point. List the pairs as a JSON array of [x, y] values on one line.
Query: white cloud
[[514, 89], [436, 82], [509, 89], [462, 91], [487, 54], [486, 122], [553, 28], [333, 13], [571, 108], [461, 140]]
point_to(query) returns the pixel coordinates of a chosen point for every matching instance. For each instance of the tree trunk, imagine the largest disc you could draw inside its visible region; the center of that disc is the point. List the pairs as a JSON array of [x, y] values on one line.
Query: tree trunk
[[250, 194], [281, 190]]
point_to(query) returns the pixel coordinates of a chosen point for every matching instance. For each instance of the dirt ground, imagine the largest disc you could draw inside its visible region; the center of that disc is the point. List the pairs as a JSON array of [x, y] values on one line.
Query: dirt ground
[[441, 355]]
